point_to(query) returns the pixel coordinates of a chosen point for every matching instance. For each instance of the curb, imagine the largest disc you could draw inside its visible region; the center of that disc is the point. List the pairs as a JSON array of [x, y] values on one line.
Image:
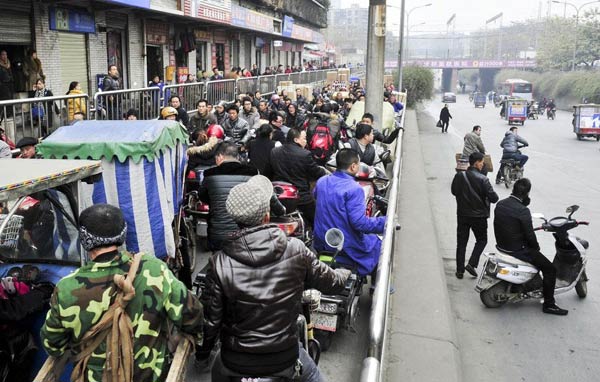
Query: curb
[[422, 342]]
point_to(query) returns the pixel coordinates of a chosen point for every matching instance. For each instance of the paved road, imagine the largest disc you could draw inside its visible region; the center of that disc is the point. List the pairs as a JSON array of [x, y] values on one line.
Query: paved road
[[518, 342]]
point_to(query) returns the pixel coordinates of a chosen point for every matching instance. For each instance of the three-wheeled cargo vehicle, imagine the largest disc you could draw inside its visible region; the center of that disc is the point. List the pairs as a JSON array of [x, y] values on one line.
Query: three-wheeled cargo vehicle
[[586, 121], [479, 99], [515, 111]]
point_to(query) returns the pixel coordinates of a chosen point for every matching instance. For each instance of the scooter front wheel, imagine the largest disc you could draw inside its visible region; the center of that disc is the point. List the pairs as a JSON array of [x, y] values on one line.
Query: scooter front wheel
[[581, 286], [491, 297]]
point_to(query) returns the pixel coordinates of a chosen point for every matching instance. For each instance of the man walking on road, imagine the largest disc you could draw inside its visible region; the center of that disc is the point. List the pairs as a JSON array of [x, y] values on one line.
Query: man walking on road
[[445, 118], [474, 193], [474, 144]]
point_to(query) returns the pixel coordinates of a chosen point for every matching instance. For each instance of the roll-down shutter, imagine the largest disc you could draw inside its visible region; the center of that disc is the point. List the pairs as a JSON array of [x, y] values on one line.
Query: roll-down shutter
[[73, 66], [15, 22]]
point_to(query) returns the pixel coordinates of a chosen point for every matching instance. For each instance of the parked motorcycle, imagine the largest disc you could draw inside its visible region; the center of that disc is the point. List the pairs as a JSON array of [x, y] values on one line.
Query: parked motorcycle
[[507, 279], [337, 312]]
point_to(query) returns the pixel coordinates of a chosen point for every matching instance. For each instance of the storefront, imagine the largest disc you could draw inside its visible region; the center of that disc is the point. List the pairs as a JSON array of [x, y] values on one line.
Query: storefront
[[220, 55], [71, 25], [157, 37], [116, 41], [15, 37], [204, 38]]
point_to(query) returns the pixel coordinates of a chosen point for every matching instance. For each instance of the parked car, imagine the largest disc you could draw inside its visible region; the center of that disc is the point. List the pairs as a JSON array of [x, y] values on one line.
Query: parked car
[[448, 97]]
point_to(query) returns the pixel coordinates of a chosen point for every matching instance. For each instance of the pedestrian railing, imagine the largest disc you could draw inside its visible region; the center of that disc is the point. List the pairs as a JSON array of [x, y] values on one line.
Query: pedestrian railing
[[37, 117], [189, 94], [221, 90], [112, 105], [31, 116], [373, 364]]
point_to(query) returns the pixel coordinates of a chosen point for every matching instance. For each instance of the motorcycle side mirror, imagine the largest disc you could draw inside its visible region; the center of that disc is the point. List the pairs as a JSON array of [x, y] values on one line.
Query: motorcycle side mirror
[[334, 238], [385, 156], [571, 210]]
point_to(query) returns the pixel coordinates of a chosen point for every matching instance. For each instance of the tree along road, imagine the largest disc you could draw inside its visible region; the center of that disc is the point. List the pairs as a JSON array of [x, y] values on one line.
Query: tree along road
[[517, 342]]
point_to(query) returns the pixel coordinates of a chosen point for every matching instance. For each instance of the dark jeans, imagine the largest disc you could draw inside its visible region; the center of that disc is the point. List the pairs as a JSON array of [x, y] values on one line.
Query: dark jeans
[[541, 262], [464, 225], [310, 371]]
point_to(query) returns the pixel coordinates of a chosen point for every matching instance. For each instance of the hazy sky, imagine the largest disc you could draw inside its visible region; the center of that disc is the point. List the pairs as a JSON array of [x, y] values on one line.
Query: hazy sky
[[470, 14]]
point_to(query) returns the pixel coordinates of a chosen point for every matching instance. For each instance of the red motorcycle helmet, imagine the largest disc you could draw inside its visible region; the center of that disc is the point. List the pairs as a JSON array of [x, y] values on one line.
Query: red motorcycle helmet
[[363, 171], [215, 131]]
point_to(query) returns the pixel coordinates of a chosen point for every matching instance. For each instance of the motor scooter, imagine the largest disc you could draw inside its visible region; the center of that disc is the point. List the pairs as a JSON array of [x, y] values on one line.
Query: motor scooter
[[195, 210], [337, 312], [551, 113], [292, 223], [504, 278]]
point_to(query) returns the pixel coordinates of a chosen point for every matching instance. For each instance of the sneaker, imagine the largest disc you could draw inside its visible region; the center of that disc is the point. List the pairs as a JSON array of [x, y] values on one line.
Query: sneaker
[[554, 309], [459, 275], [469, 268]]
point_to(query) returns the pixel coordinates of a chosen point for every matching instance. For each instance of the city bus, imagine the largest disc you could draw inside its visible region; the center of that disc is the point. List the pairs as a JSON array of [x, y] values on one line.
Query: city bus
[[515, 87]]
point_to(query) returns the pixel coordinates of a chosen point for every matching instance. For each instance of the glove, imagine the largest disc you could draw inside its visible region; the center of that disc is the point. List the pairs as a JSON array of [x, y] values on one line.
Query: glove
[[45, 288], [344, 273]]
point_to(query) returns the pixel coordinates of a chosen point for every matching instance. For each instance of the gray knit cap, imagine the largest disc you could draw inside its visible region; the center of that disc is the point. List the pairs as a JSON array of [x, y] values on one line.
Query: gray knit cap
[[249, 202]]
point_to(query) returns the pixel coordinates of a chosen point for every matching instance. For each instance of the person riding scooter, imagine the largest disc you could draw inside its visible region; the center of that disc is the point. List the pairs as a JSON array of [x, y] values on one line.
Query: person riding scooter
[[515, 235], [510, 146]]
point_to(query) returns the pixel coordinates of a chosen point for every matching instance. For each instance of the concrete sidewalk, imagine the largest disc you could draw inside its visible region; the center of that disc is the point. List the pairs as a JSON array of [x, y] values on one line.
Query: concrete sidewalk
[[422, 344]]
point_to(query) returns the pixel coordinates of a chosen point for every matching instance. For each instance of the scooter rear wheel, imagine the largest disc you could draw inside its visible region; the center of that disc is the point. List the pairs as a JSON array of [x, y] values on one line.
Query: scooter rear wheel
[[581, 286], [489, 297]]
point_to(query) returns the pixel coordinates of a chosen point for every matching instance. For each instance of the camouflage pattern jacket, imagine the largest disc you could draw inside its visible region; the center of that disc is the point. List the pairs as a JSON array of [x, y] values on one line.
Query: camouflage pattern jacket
[[81, 298]]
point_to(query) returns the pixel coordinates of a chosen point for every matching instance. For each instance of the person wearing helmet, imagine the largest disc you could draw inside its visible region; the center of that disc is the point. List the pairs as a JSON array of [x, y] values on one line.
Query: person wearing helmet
[[340, 204], [169, 113], [152, 299], [205, 145], [276, 104]]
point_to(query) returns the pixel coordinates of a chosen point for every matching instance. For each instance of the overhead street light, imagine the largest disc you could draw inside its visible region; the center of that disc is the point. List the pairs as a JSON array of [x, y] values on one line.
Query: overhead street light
[[492, 19], [577, 9], [407, 24]]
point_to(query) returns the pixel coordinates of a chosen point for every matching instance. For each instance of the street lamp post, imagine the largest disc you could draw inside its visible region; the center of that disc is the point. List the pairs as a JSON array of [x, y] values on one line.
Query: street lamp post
[[577, 9], [499, 15], [407, 24]]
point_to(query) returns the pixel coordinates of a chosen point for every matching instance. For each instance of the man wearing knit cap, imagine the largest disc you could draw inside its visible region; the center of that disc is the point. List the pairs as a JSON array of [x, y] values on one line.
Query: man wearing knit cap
[[253, 293], [83, 302]]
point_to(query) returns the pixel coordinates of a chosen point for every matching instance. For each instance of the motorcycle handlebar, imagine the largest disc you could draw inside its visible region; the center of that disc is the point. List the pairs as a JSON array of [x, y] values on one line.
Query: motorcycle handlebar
[[538, 228], [583, 223]]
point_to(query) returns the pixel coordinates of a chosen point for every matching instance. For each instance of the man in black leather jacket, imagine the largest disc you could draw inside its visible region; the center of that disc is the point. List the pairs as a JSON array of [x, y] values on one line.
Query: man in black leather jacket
[[294, 164], [474, 193], [217, 183], [514, 233], [253, 293]]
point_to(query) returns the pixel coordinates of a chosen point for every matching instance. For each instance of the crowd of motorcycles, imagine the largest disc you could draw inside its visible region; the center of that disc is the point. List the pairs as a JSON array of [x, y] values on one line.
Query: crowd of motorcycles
[[323, 315]]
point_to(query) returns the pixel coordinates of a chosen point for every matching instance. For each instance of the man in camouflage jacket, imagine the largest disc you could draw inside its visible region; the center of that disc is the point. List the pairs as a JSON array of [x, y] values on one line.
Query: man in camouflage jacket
[[82, 298]]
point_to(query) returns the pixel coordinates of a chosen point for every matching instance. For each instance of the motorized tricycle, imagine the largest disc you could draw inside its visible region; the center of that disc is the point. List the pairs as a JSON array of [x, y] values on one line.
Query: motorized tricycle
[[479, 99], [586, 121], [515, 111]]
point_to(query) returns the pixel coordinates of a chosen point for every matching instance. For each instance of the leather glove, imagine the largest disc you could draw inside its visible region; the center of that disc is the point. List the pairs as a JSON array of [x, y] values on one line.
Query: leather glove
[[46, 288], [344, 273]]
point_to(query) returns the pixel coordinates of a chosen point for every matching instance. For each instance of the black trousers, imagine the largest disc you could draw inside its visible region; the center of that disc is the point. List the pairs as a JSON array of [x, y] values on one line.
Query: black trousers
[[464, 225], [308, 212], [445, 126], [548, 269]]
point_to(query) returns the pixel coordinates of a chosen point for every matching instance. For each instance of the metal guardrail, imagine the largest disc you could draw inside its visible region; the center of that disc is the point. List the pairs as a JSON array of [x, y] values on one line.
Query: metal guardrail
[[373, 364], [189, 94], [21, 118], [37, 117], [112, 105]]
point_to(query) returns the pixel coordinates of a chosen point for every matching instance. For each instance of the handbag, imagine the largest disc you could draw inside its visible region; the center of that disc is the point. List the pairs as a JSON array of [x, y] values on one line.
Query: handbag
[[439, 123], [37, 112]]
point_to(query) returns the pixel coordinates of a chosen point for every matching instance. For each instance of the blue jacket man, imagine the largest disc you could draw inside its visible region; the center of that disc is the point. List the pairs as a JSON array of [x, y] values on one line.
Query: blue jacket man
[[341, 204]]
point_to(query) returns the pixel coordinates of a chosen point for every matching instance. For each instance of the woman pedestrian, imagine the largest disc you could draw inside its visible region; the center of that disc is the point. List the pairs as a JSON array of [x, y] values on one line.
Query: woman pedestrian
[[33, 69], [294, 119], [42, 111], [75, 105], [445, 118]]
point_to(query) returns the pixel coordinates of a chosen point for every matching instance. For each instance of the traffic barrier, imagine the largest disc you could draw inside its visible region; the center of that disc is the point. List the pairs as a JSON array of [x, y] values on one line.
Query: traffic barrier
[[38, 117], [221, 90], [374, 363], [112, 105], [189, 94], [267, 85], [247, 85]]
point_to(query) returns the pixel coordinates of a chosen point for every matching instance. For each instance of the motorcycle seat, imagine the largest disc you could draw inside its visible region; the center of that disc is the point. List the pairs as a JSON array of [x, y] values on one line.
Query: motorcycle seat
[[584, 243], [505, 256], [508, 161]]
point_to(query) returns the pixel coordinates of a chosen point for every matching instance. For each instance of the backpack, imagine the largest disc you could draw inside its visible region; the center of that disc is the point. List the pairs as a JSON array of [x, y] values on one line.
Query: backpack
[[321, 143]]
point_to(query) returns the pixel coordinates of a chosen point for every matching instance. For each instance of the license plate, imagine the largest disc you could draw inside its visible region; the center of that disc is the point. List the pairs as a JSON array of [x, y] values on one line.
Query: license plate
[[323, 321]]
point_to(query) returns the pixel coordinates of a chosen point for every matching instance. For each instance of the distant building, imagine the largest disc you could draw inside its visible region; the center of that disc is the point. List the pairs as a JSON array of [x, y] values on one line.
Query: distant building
[[347, 29]]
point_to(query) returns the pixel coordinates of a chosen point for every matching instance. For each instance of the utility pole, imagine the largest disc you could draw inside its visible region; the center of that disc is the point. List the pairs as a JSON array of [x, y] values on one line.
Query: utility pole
[[375, 57], [401, 46]]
